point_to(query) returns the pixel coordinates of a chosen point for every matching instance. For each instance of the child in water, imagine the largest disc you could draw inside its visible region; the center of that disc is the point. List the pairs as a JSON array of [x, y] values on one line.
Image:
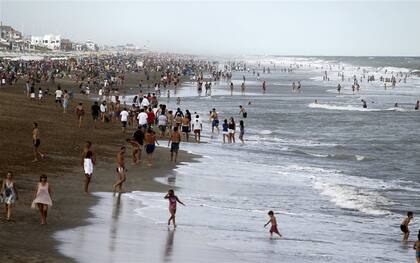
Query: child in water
[[417, 248], [273, 222], [173, 200], [404, 225]]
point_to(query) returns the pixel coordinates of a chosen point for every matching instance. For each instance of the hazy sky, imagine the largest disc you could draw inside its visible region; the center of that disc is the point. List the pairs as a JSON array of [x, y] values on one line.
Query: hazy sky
[[229, 27]]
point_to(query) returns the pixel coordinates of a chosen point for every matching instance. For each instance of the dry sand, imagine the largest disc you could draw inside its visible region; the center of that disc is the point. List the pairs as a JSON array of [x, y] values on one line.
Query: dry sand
[[25, 240]]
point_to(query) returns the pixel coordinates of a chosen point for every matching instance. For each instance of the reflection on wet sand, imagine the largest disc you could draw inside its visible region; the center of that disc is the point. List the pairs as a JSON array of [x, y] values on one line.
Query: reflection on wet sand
[[169, 245]]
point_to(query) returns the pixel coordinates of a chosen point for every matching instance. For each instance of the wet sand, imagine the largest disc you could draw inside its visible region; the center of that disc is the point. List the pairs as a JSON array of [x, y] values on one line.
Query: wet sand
[[25, 240]]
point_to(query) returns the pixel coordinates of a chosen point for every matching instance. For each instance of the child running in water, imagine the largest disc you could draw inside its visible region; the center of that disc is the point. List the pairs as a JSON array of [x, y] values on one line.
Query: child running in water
[[417, 248], [173, 199], [404, 226], [273, 222]]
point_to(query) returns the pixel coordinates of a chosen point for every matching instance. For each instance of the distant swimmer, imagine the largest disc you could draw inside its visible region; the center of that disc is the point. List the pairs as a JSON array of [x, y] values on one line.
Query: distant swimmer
[[273, 222], [243, 88], [264, 86], [316, 101], [404, 225], [364, 104], [231, 88], [417, 105], [339, 88], [396, 105]]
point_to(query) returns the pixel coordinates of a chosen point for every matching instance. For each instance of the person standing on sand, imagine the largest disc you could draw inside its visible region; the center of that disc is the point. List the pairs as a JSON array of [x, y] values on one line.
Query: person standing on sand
[[88, 161], [36, 142], [231, 88], [150, 140], [273, 222], [121, 171], [173, 200], [80, 112], [42, 198], [9, 194], [174, 140], [66, 100], [417, 105], [95, 109]]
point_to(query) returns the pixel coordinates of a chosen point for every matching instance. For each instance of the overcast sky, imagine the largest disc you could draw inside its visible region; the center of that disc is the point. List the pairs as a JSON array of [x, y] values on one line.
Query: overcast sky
[[237, 27]]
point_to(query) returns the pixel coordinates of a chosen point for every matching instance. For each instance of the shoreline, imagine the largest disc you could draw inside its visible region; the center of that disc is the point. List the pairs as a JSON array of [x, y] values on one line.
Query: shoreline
[[25, 240]]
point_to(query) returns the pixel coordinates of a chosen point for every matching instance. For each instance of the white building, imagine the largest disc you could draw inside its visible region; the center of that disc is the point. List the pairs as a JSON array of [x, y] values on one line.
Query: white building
[[91, 46], [49, 41]]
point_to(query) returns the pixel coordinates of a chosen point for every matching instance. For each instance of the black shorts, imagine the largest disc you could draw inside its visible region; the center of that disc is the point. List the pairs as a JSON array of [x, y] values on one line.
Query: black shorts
[[37, 142], [162, 128], [404, 229], [95, 117], [58, 100], [185, 129], [124, 124]]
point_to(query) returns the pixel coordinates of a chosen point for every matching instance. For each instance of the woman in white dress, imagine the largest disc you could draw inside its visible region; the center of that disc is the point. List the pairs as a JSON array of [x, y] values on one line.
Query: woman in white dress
[[9, 194]]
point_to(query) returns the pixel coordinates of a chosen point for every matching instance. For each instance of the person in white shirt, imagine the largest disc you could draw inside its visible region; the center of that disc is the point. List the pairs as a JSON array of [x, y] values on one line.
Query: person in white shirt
[[124, 118], [145, 102], [142, 117], [162, 123], [103, 109], [197, 126], [58, 95]]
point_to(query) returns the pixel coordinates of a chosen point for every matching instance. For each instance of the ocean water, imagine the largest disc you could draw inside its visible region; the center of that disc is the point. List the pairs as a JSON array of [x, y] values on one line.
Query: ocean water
[[339, 177]]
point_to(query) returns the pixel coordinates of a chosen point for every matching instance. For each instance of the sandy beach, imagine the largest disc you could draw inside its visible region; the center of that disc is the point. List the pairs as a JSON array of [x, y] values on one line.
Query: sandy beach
[[25, 240]]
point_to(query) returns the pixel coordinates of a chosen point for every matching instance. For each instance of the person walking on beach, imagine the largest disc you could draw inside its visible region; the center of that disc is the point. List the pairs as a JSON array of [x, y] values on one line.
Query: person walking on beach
[[103, 108], [241, 131], [121, 171], [58, 95], [80, 112], [150, 141], [214, 120], [139, 137], [417, 106], [231, 88], [174, 140], [136, 150], [42, 198], [36, 142], [88, 160], [404, 226], [197, 126], [95, 109], [66, 100], [173, 200], [273, 222], [185, 126], [9, 194], [232, 130], [124, 119]]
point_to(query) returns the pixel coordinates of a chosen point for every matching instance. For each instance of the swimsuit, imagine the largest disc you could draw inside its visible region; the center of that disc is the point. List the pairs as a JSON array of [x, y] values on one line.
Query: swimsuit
[[404, 228], [172, 203], [150, 148], [174, 146], [274, 229]]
